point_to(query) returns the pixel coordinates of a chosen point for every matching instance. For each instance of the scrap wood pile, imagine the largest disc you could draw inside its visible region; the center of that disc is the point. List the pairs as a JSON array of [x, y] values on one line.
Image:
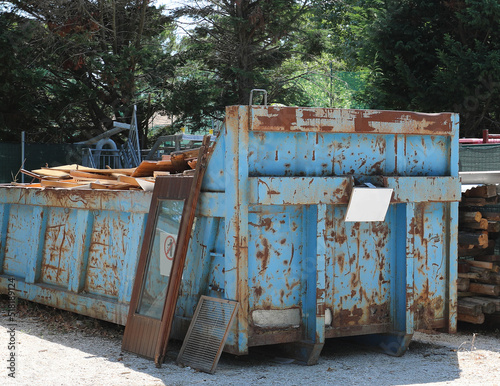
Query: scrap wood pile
[[141, 177], [478, 281]]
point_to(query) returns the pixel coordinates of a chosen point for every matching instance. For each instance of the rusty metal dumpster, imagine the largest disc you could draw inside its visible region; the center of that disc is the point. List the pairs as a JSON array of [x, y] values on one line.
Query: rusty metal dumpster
[[74, 250], [271, 230]]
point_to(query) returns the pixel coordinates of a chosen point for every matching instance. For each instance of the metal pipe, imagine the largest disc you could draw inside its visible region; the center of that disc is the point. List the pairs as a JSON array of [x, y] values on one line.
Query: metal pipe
[[23, 136]]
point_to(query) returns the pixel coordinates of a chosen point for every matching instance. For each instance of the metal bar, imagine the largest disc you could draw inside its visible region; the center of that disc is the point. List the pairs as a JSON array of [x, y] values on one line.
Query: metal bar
[[23, 139], [410, 272], [93, 306], [299, 190], [424, 189], [236, 243], [4, 222], [276, 118], [78, 264], [34, 245], [120, 201], [486, 177]]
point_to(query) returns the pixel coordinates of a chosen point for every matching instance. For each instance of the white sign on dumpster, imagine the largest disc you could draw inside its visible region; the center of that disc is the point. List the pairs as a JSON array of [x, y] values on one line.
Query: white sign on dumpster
[[167, 250], [368, 204]]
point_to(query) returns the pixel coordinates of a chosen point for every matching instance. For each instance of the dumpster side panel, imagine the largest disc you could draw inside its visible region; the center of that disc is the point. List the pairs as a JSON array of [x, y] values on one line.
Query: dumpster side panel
[[72, 250]]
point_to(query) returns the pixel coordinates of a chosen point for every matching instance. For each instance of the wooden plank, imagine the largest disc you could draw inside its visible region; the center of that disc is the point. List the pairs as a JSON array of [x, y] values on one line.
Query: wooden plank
[[68, 168], [481, 225], [471, 319], [482, 191], [61, 184], [469, 308], [105, 185], [465, 216], [157, 173], [146, 168], [496, 301], [490, 258], [96, 176], [463, 284], [493, 226], [484, 264], [485, 289], [491, 216], [487, 306], [476, 250], [129, 180], [51, 173], [473, 238], [476, 201]]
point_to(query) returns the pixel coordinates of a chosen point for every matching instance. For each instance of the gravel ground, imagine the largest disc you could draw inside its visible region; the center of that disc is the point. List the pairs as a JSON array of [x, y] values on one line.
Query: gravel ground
[[61, 348]]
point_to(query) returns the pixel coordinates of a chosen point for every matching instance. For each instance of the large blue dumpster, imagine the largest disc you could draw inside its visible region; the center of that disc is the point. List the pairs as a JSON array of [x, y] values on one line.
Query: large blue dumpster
[[271, 232]]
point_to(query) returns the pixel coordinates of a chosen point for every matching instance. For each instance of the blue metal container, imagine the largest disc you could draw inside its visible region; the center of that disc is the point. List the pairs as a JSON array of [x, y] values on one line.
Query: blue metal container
[[72, 249], [271, 230]]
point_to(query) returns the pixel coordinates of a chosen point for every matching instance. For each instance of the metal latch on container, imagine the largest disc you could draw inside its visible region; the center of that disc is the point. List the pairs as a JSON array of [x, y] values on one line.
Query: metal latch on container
[[368, 203]]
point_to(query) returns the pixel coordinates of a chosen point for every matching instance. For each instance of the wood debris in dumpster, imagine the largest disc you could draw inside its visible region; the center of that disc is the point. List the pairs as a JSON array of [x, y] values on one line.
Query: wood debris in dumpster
[[478, 282], [141, 177]]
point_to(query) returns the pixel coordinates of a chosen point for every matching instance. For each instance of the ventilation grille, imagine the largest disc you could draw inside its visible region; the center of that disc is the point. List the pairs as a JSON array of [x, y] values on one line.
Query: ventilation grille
[[207, 334]]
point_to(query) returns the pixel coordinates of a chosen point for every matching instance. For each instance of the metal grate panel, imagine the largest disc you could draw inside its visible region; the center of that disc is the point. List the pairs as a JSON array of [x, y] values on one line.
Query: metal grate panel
[[207, 334]]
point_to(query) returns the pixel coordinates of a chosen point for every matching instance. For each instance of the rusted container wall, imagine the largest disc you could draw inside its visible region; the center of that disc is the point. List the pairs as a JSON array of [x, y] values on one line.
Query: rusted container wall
[[72, 249], [271, 230]]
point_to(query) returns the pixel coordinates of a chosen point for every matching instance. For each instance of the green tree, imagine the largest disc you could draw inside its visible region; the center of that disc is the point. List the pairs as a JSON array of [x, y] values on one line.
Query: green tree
[[93, 60], [438, 56], [235, 47]]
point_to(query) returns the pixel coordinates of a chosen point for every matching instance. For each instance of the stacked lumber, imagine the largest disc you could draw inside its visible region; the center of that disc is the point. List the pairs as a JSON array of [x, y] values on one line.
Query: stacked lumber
[[478, 282], [140, 178]]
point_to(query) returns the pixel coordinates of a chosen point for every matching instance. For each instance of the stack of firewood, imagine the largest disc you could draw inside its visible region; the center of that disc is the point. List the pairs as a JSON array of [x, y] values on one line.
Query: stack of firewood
[[478, 266]]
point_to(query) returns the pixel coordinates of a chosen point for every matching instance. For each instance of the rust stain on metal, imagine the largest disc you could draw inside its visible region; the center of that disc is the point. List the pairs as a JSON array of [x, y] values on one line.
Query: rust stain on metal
[[350, 317], [282, 118], [263, 255], [377, 168], [269, 191], [378, 313]]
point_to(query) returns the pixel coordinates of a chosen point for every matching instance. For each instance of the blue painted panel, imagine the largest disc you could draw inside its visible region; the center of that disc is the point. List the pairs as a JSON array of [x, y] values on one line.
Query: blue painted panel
[[21, 242], [359, 292], [213, 181], [59, 241], [276, 246], [315, 154], [427, 155], [431, 263]]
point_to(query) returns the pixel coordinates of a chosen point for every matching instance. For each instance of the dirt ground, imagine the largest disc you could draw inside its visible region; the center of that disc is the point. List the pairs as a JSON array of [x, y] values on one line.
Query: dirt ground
[[54, 347]]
